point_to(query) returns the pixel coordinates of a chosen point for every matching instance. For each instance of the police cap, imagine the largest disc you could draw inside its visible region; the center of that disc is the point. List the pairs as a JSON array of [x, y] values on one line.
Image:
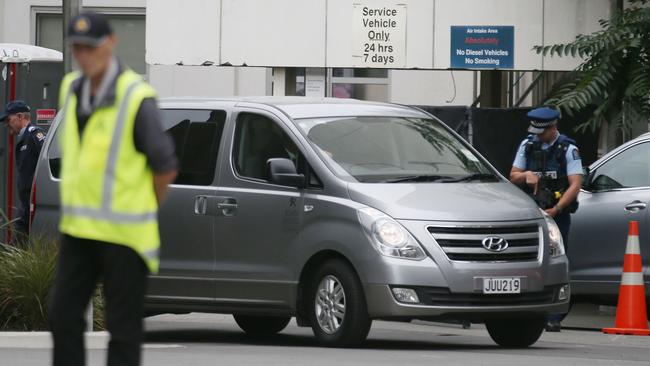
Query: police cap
[[542, 118], [88, 28], [16, 106]]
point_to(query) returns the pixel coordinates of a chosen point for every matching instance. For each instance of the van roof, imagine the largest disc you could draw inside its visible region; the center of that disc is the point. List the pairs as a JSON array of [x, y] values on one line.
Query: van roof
[[300, 107]]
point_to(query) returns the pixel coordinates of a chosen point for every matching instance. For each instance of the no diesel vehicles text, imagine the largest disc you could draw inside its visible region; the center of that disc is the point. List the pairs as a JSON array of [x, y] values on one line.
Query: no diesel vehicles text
[[377, 33]]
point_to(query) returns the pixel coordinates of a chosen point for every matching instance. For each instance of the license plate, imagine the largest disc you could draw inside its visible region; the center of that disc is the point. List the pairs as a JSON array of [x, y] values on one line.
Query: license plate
[[502, 285]]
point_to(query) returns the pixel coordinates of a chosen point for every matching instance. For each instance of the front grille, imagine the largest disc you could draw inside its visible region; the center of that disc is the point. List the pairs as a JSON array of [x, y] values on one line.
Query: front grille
[[466, 243], [441, 296]]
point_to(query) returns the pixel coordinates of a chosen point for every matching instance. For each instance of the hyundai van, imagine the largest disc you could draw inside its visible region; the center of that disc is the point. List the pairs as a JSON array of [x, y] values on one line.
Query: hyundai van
[[338, 212]]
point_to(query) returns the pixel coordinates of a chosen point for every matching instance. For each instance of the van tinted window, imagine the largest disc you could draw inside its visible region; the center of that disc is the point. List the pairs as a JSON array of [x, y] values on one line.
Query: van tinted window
[[258, 139], [628, 169], [197, 137]]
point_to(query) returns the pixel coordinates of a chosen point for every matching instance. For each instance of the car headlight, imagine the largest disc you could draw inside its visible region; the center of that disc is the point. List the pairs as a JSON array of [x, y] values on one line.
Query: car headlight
[[555, 237], [388, 236]]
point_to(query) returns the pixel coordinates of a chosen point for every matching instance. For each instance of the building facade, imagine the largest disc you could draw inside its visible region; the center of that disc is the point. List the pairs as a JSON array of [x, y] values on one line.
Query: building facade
[[304, 47]]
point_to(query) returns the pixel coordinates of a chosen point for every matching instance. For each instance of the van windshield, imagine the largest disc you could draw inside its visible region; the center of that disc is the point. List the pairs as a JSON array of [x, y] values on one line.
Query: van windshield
[[394, 150]]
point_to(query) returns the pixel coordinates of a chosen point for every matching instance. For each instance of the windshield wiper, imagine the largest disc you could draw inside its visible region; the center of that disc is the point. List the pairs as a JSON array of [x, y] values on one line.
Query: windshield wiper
[[418, 178], [475, 176]]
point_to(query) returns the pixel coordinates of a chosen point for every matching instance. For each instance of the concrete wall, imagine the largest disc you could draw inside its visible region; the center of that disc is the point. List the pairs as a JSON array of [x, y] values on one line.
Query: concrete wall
[[423, 87], [212, 81], [188, 32], [571, 17], [319, 33], [273, 33]]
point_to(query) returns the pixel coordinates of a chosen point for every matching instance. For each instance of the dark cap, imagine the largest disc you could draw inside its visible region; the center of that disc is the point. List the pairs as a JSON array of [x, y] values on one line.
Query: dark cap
[[88, 28], [542, 118], [17, 106]]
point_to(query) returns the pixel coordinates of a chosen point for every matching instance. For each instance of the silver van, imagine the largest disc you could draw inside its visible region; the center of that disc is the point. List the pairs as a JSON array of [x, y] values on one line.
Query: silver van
[[337, 212]]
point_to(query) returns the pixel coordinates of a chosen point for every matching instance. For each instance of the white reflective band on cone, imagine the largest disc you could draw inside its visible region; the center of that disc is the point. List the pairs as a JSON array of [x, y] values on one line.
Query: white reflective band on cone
[[633, 245], [632, 279]]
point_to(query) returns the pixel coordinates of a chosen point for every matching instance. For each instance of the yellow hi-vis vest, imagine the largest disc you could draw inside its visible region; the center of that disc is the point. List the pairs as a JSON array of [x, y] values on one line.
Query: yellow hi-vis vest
[[107, 189]]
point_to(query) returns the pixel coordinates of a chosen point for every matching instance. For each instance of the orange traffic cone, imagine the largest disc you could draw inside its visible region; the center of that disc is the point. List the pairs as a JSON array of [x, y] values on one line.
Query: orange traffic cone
[[631, 316]]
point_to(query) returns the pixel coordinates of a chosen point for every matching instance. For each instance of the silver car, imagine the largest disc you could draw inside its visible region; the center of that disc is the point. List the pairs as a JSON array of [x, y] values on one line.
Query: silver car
[[616, 192], [338, 212]]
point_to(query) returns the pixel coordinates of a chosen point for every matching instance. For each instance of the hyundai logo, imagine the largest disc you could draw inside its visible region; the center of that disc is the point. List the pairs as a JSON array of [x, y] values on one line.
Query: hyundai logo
[[495, 243]]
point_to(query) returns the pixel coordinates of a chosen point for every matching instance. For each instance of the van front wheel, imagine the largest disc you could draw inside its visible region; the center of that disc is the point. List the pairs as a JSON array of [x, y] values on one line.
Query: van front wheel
[[262, 325], [337, 306], [516, 333]]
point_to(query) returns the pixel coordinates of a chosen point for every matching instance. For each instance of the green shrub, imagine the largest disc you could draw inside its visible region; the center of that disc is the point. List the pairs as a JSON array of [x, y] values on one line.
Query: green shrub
[[25, 280], [26, 277]]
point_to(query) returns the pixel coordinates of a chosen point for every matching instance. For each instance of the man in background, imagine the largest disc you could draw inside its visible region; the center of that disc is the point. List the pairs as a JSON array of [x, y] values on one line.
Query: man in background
[[29, 142]]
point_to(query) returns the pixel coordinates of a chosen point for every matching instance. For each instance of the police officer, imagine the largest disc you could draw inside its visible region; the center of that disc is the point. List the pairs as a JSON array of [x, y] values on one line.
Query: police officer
[[549, 168], [30, 140], [117, 162]]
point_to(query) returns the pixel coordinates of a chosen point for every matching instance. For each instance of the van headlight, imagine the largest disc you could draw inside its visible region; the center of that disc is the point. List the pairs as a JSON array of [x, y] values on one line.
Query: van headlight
[[555, 237], [388, 236]]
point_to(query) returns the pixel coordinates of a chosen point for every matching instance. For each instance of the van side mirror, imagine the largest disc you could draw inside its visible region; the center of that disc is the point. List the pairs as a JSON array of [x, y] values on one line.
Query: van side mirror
[[283, 172]]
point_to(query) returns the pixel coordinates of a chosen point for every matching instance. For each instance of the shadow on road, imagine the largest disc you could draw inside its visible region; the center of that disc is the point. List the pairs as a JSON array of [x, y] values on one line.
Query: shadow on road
[[290, 340]]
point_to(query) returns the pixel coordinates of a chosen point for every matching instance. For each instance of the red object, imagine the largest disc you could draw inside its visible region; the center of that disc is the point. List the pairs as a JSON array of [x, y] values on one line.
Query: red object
[[45, 114], [10, 155], [631, 316]]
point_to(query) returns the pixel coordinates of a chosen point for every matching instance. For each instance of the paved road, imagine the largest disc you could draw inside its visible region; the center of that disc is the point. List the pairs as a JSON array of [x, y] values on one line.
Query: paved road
[[201, 339]]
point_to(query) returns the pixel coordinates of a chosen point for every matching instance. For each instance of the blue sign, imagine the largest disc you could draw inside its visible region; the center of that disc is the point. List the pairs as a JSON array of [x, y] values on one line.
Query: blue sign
[[482, 47]]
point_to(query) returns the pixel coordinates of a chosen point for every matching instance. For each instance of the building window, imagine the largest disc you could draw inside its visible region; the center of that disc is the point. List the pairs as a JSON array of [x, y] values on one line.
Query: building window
[[300, 81], [364, 84], [360, 73], [129, 29]]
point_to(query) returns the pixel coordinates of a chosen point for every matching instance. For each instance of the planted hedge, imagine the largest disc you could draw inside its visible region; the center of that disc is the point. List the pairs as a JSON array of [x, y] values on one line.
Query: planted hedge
[[26, 277]]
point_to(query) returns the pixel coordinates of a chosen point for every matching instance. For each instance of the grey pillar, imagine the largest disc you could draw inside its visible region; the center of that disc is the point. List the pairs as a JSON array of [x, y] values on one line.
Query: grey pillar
[[71, 8]]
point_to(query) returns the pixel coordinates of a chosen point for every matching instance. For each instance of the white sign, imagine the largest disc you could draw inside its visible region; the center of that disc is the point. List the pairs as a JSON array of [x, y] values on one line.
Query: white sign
[[315, 82], [379, 29]]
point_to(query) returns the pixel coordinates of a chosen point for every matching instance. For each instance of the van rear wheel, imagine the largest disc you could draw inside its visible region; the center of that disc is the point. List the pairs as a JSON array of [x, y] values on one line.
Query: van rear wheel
[[516, 333], [337, 306], [262, 325]]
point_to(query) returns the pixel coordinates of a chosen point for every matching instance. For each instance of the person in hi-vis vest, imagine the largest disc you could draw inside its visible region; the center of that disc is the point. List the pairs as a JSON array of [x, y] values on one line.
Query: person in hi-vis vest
[[117, 162]]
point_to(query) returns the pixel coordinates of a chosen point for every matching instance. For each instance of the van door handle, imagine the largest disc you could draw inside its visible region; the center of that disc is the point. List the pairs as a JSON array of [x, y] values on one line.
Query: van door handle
[[200, 205], [227, 206], [635, 206]]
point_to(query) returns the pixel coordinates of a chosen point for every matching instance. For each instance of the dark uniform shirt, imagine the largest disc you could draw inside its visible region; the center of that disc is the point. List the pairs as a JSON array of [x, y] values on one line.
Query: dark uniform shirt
[[28, 148], [149, 137]]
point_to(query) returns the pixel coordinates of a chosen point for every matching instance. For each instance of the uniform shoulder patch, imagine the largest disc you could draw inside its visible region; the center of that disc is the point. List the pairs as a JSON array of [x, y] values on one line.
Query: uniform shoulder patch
[[575, 154], [40, 136]]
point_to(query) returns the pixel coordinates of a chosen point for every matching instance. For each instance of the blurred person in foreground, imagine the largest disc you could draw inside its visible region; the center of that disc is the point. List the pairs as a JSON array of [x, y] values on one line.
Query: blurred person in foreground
[[117, 162]]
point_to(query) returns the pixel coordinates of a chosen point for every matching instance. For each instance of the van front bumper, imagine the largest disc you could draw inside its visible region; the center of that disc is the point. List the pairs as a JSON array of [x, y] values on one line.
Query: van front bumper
[[462, 306]]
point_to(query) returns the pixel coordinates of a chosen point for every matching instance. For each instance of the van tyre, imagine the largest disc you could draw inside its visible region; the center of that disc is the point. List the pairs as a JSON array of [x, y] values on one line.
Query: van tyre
[[516, 333], [262, 325], [337, 306]]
